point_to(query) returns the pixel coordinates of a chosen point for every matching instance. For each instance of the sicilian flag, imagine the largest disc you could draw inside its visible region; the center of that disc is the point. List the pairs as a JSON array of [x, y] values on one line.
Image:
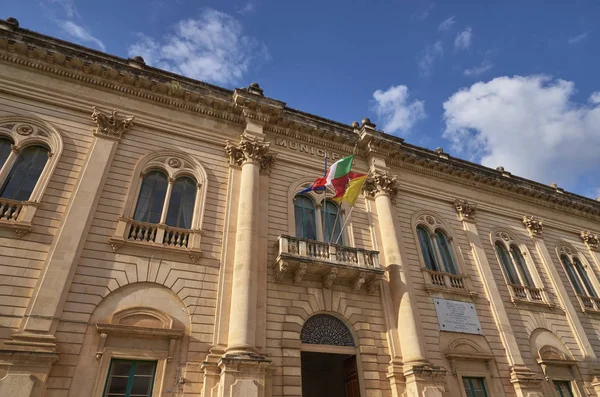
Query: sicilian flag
[[340, 178], [354, 185]]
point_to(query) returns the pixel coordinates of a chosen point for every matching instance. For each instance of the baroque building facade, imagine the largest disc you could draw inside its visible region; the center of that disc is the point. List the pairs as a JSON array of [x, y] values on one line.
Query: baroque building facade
[[153, 243]]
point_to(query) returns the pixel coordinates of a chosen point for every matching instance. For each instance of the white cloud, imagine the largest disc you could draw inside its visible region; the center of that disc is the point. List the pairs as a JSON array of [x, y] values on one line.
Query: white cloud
[[529, 125], [447, 23], [396, 111], [247, 8], [429, 56], [483, 67], [80, 33], [210, 48], [423, 12], [595, 98], [67, 5], [578, 38], [463, 39]]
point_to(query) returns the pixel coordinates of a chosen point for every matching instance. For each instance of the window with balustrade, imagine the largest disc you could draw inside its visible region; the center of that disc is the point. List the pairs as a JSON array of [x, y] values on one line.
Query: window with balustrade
[[29, 152], [521, 276], [581, 277], [438, 255], [321, 222], [164, 206]]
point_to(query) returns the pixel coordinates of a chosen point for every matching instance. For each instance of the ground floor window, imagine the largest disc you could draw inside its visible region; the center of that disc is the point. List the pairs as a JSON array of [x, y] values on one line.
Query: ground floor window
[[474, 387], [130, 378], [563, 388]]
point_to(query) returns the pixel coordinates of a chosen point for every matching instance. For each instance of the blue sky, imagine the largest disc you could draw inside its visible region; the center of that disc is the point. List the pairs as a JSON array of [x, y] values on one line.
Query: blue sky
[[513, 83]]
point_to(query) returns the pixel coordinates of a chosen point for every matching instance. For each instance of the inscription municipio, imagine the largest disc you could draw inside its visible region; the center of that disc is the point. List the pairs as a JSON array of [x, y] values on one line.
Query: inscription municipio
[[308, 149], [456, 316]]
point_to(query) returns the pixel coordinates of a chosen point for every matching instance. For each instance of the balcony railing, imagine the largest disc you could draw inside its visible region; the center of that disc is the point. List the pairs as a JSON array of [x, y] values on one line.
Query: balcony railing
[[10, 209], [156, 236], [331, 262], [589, 303], [445, 280], [523, 292]]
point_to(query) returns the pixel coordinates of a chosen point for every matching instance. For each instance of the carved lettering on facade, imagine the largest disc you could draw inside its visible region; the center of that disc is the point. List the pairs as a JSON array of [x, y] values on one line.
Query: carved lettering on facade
[[465, 210], [534, 226], [591, 240], [306, 149], [110, 125]]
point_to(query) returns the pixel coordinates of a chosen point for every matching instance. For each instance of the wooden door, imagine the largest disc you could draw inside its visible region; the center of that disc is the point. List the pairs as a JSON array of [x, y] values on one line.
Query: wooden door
[[351, 377]]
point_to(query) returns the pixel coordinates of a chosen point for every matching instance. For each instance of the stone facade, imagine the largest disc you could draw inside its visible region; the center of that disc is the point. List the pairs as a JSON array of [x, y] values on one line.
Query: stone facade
[[229, 305]]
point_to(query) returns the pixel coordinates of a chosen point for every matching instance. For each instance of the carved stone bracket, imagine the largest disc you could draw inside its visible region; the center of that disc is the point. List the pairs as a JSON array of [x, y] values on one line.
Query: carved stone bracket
[[330, 277], [359, 281], [299, 273], [591, 240], [101, 343], [249, 150], [373, 284], [466, 211], [280, 269], [381, 183], [534, 225], [110, 125]]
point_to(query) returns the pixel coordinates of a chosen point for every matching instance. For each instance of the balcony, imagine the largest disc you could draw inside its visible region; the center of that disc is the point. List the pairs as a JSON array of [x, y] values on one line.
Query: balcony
[[156, 236], [327, 262], [17, 215], [589, 303]]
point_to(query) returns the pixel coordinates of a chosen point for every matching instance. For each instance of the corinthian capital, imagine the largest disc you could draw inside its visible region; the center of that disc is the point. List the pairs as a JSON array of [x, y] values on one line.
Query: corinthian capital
[[534, 226], [591, 240], [465, 210], [381, 183], [249, 150], [110, 125]]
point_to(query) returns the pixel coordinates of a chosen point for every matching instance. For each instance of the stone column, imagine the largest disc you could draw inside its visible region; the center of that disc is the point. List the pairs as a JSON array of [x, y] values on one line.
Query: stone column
[[524, 380], [383, 187], [243, 370], [34, 341]]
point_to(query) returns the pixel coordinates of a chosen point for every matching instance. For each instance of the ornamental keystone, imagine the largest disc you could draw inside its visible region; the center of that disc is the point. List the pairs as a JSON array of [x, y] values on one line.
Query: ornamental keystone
[[465, 210], [110, 125], [534, 225], [250, 150], [591, 240], [381, 183]]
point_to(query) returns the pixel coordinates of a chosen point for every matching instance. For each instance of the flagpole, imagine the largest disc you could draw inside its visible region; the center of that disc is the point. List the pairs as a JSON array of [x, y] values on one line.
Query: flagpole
[[344, 225], [335, 223]]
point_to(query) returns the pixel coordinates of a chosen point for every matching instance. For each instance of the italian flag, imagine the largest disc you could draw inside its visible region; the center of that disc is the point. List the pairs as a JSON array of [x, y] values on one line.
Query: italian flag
[[346, 184]]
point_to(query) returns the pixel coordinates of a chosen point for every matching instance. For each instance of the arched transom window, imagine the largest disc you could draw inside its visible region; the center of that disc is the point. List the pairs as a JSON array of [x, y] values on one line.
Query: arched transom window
[[580, 277], [324, 329], [516, 270], [436, 246]]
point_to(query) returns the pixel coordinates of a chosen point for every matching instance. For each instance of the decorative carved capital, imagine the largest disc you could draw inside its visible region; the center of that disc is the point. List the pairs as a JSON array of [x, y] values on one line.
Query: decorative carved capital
[[465, 210], [534, 226], [110, 125], [249, 150], [381, 183], [591, 240]]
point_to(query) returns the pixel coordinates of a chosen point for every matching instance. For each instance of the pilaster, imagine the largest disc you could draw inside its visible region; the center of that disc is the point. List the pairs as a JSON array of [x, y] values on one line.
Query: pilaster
[[525, 381], [35, 337]]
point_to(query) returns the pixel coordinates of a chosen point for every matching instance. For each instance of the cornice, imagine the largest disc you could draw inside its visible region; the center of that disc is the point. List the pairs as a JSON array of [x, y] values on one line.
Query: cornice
[[132, 77]]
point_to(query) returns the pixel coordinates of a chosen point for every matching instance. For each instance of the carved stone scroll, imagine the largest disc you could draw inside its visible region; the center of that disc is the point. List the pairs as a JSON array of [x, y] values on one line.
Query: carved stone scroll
[[591, 240], [381, 183], [110, 125], [465, 210], [249, 150], [534, 225]]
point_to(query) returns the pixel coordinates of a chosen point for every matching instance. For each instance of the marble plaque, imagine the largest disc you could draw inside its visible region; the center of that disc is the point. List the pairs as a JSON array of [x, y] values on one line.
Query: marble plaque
[[456, 316]]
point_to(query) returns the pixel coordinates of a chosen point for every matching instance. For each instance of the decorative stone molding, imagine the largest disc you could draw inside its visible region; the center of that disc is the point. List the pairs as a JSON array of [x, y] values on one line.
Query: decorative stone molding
[[330, 277], [324, 329], [299, 273], [591, 240], [466, 211], [249, 150], [381, 183], [534, 225], [110, 125]]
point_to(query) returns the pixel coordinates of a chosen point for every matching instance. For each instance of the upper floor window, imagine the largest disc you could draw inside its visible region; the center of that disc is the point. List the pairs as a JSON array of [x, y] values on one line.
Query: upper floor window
[[321, 221], [305, 214], [436, 249], [580, 279], [332, 222], [517, 272], [29, 152]]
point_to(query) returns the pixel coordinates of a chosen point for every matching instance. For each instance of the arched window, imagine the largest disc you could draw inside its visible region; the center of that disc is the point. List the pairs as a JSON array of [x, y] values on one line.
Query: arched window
[[24, 173], [181, 203], [445, 251], [304, 213], [151, 198], [507, 264], [578, 276], [427, 249], [521, 265], [5, 147], [332, 223], [324, 329]]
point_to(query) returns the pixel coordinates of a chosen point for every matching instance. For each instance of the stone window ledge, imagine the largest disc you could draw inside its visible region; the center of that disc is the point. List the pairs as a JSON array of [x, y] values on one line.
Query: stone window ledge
[[525, 303], [157, 236], [17, 215]]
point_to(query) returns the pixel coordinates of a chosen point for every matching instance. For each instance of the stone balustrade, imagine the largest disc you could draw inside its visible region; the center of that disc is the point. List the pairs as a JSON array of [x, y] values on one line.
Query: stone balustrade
[[523, 292], [329, 262], [445, 279], [589, 303], [10, 209]]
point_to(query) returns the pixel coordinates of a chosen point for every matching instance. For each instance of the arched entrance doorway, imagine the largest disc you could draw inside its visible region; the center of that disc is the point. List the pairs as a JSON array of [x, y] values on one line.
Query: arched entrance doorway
[[328, 353]]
